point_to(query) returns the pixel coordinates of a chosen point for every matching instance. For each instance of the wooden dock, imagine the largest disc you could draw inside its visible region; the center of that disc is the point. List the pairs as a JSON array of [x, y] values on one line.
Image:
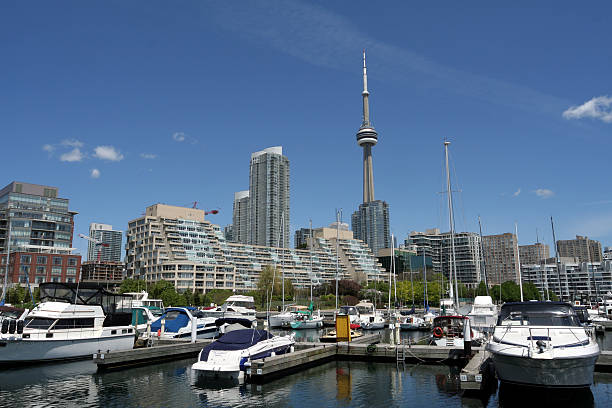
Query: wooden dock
[[476, 375], [164, 350]]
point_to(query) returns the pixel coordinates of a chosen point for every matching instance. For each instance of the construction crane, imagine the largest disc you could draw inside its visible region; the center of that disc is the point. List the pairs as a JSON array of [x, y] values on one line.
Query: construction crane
[[195, 205], [97, 243]]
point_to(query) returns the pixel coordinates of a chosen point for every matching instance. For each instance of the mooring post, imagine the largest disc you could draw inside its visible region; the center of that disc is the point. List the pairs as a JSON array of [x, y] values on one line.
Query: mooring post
[[467, 338], [163, 326]]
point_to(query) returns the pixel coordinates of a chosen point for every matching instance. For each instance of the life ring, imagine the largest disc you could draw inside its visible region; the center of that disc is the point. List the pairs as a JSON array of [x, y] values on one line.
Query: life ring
[[437, 332]]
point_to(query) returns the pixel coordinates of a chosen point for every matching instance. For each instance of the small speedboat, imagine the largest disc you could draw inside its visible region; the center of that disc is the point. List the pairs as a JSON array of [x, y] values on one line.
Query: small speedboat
[[369, 317], [175, 323], [413, 323], [542, 344], [231, 355], [331, 337], [307, 320]]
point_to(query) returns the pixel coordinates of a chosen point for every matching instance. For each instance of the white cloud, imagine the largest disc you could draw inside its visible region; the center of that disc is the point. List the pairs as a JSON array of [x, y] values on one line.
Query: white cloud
[[597, 108], [75, 155], [544, 193], [178, 136], [72, 143], [95, 173], [516, 193], [148, 156], [48, 148], [107, 153]]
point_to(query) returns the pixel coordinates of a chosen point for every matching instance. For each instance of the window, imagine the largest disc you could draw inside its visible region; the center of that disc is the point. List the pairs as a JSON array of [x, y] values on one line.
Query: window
[[57, 260], [24, 269], [72, 261], [41, 260], [70, 271], [41, 270], [40, 279], [26, 259], [56, 270], [38, 323], [78, 323]]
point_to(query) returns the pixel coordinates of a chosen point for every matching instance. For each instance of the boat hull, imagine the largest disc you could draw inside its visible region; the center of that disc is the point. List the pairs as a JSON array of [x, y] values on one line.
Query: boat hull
[[307, 324], [13, 351], [565, 372]]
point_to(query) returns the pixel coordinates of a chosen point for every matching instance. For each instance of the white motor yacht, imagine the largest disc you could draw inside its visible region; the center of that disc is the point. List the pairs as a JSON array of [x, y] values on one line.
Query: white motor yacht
[[483, 315], [68, 323], [544, 344], [369, 317], [231, 355], [235, 306], [175, 323]]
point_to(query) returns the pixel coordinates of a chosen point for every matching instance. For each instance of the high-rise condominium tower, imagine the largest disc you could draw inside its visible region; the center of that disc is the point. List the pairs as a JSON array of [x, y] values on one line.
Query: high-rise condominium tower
[[269, 198], [110, 250], [370, 222], [240, 219]]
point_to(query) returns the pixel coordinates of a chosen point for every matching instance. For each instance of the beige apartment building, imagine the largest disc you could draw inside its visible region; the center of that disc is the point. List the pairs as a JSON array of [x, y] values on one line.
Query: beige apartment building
[[178, 245], [534, 254], [583, 248], [501, 258]]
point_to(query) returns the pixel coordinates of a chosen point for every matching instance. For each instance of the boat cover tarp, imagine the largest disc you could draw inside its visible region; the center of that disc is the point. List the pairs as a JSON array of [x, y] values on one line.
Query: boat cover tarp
[[171, 326], [233, 320], [236, 340]]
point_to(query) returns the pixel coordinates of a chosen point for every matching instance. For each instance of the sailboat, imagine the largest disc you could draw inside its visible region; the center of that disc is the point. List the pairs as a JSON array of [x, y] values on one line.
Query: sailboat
[[448, 327]]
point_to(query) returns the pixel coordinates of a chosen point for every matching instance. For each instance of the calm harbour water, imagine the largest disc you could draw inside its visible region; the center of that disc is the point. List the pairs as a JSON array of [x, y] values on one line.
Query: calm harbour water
[[335, 384]]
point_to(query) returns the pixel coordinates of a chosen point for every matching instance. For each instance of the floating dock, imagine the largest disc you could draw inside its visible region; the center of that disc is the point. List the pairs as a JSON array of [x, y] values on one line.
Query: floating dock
[[476, 375]]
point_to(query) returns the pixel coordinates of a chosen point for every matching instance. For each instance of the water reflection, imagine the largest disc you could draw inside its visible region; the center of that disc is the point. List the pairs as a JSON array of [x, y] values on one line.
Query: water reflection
[[520, 396]]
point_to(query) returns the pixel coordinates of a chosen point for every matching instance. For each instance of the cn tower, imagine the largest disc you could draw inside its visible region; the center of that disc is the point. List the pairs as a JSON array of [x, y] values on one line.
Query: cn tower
[[366, 138]]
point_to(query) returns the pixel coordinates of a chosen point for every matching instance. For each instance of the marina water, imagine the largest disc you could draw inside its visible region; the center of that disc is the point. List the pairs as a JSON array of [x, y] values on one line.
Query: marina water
[[334, 384]]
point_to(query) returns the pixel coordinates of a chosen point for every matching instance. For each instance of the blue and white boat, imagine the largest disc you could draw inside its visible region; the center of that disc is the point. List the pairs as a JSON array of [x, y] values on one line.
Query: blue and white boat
[[231, 355], [177, 324]]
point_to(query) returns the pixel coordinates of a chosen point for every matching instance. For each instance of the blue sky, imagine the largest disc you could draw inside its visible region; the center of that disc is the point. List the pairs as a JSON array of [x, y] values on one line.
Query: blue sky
[[125, 104]]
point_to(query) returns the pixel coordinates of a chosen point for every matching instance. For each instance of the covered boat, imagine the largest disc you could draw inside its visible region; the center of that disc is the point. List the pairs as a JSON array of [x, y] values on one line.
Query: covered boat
[[544, 344], [175, 323], [231, 355]]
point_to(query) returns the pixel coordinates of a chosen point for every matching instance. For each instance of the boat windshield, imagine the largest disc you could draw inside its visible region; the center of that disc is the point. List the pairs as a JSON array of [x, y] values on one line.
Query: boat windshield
[[348, 310], [537, 314], [365, 309]]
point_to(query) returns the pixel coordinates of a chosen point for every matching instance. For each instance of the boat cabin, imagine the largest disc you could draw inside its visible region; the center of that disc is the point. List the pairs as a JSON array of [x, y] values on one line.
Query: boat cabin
[[365, 307], [445, 325], [538, 314]]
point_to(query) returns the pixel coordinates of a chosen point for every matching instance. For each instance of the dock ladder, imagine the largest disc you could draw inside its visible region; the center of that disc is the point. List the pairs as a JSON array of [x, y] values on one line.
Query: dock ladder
[[400, 353]]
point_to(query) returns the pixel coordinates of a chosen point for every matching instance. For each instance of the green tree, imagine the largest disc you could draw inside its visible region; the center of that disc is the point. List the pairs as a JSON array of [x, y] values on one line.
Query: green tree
[[530, 292], [132, 285], [264, 285], [482, 289]]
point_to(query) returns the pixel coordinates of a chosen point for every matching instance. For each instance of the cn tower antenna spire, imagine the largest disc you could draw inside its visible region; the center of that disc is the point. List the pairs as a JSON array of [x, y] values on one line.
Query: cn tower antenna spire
[[367, 138]]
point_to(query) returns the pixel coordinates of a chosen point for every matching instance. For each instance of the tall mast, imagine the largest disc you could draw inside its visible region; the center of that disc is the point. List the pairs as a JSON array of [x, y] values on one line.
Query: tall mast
[[337, 253], [552, 225], [518, 260], [311, 273], [8, 256], [394, 273], [426, 299], [451, 221], [283, 252], [483, 258]]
